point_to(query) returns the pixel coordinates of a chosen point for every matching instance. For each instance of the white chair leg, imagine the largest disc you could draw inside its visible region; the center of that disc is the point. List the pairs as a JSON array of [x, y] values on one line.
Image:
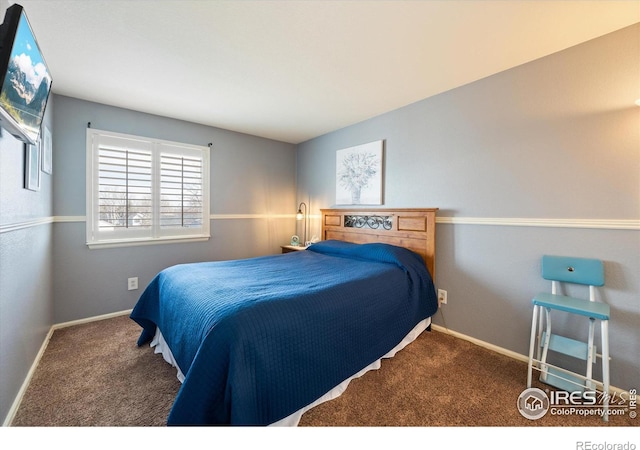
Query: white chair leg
[[590, 356], [539, 336], [545, 345], [532, 344], [605, 368]]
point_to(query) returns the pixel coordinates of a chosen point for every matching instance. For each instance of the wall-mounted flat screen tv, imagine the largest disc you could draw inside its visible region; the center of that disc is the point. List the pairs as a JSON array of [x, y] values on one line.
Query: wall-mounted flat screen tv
[[25, 81]]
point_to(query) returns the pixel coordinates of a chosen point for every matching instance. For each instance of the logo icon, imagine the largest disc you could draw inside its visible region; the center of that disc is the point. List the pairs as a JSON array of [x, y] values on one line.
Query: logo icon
[[533, 403]]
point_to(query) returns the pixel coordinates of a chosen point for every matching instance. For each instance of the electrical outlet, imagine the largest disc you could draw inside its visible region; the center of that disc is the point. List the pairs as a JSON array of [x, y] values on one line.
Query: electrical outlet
[[442, 297], [132, 283]]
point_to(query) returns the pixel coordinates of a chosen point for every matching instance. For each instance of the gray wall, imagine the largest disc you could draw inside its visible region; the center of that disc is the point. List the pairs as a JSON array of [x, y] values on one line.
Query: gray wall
[[252, 201], [25, 265], [47, 273], [557, 138]]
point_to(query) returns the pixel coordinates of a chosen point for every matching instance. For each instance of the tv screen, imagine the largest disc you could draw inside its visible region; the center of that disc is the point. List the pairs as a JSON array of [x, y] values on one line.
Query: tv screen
[[25, 80]]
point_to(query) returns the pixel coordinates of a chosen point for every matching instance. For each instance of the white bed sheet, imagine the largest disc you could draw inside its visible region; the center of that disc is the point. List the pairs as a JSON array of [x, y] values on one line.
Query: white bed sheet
[[160, 346]]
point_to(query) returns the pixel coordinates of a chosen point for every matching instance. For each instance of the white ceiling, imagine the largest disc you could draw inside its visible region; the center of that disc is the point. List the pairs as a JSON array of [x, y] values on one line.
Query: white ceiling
[[293, 70]]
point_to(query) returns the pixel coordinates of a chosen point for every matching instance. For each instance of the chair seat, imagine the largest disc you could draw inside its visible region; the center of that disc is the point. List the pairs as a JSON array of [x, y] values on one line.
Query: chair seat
[[573, 305]]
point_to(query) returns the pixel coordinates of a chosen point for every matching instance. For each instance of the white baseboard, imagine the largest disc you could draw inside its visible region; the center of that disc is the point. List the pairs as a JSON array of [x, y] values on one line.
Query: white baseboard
[[25, 384], [90, 319], [509, 353], [438, 328], [483, 344]]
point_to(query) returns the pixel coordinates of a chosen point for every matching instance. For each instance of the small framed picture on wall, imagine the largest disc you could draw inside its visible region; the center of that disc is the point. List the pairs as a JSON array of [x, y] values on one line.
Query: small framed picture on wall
[[31, 167], [46, 151]]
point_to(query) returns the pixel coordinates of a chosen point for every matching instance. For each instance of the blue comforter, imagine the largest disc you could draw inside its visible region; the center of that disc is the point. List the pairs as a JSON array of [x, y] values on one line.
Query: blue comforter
[[260, 338]]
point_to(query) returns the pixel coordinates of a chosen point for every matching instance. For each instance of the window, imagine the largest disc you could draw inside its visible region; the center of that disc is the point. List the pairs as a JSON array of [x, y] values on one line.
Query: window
[[142, 191]]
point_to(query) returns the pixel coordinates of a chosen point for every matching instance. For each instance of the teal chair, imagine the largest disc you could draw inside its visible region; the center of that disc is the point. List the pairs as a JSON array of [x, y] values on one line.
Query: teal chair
[[581, 271]]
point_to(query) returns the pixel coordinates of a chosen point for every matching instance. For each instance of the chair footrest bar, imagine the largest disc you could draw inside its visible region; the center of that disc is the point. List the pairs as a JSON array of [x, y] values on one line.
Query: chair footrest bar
[[567, 346], [561, 380]]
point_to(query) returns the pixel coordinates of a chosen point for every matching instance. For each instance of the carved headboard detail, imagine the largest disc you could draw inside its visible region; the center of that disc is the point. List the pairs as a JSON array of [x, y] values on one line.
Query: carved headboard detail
[[412, 228]]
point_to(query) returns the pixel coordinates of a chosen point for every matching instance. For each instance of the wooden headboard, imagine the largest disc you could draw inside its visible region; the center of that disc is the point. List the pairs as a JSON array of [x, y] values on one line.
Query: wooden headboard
[[412, 228]]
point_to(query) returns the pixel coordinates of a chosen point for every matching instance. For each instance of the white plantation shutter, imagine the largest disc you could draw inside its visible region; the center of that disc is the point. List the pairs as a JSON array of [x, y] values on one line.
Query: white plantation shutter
[[143, 190], [181, 189], [124, 185]]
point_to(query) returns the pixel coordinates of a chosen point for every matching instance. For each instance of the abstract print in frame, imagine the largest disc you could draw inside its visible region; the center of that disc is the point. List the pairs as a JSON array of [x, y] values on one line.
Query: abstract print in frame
[[359, 174]]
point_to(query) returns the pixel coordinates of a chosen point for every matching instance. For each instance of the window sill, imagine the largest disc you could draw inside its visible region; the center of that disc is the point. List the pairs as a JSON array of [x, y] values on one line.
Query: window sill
[[139, 242]]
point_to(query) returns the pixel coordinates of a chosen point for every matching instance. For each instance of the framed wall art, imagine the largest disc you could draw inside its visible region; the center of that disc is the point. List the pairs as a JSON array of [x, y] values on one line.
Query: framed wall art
[[31, 167], [46, 151], [359, 174]]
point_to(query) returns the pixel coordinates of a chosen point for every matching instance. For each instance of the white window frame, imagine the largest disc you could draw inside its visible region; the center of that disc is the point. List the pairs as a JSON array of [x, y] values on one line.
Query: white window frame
[[155, 234]]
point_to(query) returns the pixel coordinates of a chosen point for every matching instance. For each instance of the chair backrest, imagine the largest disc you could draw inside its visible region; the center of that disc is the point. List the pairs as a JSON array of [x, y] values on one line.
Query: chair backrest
[[568, 269]]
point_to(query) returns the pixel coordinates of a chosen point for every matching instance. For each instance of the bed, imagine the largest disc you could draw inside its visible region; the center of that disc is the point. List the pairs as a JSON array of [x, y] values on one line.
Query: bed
[[259, 341]]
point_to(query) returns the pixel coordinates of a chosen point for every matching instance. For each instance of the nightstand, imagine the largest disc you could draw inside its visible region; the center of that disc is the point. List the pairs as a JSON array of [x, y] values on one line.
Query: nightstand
[[291, 248]]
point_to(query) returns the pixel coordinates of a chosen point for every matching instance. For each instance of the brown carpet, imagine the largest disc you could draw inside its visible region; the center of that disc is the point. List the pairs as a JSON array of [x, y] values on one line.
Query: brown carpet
[[94, 375]]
